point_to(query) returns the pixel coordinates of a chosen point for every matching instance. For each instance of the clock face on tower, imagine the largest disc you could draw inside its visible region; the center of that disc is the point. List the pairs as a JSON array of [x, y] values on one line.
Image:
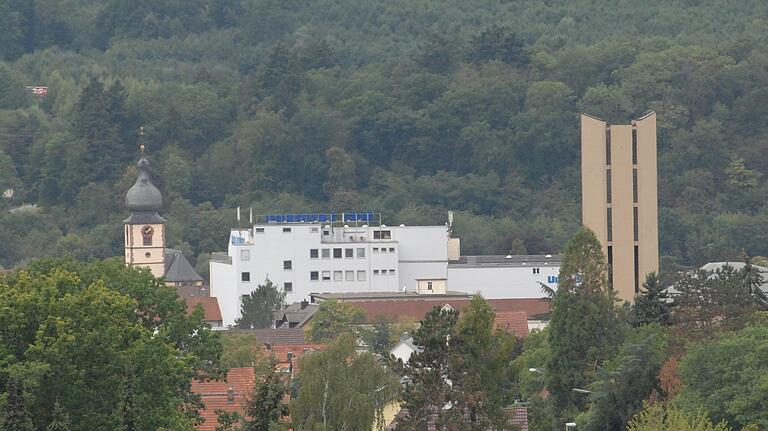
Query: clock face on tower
[[146, 233]]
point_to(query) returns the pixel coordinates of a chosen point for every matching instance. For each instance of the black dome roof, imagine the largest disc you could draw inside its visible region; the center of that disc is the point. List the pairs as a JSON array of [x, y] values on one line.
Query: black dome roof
[[143, 196]]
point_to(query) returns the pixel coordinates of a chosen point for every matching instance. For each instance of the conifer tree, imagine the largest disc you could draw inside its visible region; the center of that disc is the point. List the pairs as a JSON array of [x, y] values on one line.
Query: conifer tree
[[60, 420], [585, 326], [265, 405]]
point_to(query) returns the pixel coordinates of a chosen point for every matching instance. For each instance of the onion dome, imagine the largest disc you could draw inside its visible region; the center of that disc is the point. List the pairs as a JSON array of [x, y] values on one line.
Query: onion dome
[[143, 196]]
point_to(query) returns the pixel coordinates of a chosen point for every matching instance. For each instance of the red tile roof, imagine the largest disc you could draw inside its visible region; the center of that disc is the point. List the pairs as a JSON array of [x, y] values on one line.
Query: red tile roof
[[212, 312], [512, 321], [519, 417], [415, 310], [215, 395]]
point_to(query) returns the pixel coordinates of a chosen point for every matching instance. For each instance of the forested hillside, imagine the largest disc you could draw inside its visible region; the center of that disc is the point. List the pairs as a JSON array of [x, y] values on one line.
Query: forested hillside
[[406, 107]]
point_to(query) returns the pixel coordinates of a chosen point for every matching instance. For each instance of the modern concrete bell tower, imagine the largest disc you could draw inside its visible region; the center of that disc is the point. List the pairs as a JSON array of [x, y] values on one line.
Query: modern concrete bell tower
[[619, 197]]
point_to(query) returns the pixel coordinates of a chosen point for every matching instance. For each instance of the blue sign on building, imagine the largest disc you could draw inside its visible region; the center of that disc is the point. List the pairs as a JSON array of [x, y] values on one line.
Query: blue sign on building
[[552, 279]]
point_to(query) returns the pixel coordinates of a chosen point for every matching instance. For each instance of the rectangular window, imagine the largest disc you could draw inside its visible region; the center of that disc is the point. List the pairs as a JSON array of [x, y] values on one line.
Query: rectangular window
[[326, 253], [610, 266], [326, 275], [349, 252], [429, 285], [634, 216], [288, 287], [337, 253], [383, 249], [245, 255], [608, 145], [609, 217], [377, 234], [349, 275], [634, 146], [391, 249], [375, 272], [287, 265], [259, 230], [313, 229], [313, 253], [245, 276], [287, 230], [608, 193], [313, 276], [536, 270], [147, 240], [360, 253], [375, 249], [337, 276], [391, 272], [326, 233], [382, 234], [634, 185], [360, 275], [637, 270]]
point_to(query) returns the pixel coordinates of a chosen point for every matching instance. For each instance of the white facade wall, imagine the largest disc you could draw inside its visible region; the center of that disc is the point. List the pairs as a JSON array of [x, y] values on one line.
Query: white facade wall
[[502, 282], [385, 265]]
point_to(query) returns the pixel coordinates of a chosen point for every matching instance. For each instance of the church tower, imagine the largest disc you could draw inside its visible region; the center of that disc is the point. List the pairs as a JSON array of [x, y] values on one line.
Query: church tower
[[144, 228]]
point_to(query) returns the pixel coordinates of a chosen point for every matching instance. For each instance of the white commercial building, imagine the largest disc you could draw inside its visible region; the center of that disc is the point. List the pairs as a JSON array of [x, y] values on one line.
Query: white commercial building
[[314, 253], [355, 253], [504, 277]]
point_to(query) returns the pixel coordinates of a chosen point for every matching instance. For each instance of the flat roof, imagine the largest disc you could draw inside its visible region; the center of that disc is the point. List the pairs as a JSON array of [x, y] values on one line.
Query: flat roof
[[389, 296], [516, 260]]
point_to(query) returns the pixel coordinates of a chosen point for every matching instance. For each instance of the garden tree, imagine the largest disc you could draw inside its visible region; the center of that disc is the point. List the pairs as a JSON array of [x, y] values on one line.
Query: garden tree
[[378, 336], [60, 420], [626, 380], [709, 301], [668, 417], [258, 308], [341, 389], [101, 338], [482, 374], [334, 318], [266, 405], [228, 421], [585, 327], [429, 370], [239, 350], [16, 416], [726, 375], [464, 363], [652, 304]]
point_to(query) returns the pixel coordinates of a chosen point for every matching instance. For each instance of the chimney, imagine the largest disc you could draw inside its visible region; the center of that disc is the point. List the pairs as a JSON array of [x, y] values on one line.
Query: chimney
[[230, 395], [304, 304]]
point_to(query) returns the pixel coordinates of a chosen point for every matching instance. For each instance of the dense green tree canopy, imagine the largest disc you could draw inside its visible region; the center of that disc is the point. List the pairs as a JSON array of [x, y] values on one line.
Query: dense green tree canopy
[[407, 108], [112, 347], [727, 376]]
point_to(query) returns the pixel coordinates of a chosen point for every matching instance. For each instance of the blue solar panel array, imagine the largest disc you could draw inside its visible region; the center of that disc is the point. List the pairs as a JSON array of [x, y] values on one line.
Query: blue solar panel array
[[362, 217]]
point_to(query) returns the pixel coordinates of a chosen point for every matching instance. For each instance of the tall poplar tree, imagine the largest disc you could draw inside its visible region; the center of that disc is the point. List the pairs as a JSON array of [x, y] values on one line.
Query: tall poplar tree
[[585, 327]]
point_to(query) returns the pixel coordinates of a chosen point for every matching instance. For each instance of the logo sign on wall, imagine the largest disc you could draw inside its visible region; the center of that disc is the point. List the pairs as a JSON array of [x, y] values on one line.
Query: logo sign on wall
[[552, 279]]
